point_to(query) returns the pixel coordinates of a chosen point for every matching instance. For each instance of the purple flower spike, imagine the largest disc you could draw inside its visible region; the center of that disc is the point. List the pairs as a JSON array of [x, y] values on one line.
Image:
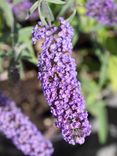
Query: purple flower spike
[[57, 73], [17, 127], [104, 11]]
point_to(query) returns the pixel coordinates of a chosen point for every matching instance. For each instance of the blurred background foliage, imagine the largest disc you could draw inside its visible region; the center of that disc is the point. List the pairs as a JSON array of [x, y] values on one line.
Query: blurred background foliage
[[95, 51]]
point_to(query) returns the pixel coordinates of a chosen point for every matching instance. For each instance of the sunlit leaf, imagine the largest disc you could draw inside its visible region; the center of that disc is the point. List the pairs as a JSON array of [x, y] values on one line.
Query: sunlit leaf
[[111, 44], [7, 12], [112, 71]]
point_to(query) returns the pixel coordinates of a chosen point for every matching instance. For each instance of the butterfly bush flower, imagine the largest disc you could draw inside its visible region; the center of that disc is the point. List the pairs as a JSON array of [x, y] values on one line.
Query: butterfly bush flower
[[104, 11], [17, 127], [58, 76]]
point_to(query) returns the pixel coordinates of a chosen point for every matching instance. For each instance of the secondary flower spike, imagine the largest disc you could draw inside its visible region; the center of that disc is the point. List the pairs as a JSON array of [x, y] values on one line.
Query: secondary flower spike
[[21, 9], [17, 127], [104, 11], [57, 73]]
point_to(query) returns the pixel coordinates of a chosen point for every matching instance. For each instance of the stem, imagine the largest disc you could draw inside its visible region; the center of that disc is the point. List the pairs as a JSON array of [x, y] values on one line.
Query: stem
[[12, 34]]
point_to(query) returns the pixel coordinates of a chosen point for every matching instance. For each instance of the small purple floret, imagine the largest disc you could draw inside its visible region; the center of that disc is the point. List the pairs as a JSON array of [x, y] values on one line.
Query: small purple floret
[[57, 73]]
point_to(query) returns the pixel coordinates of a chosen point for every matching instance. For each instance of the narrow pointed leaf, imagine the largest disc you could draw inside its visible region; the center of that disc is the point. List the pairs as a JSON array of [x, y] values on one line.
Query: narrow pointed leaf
[[71, 17], [56, 1], [103, 71], [47, 11], [1, 65], [34, 7], [102, 122], [42, 18], [67, 5]]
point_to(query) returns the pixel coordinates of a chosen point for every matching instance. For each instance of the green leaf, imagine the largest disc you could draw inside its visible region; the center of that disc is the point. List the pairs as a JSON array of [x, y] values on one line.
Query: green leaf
[[2, 54], [47, 11], [24, 34], [102, 35], [104, 69], [96, 106], [90, 86], [27, 53], [21, 70], [42, 18], [66, 7], [31, 60], [29, 57], [8, 15], [75, 38], [71, 17], [111, 44], [112, 71], [102, 122], [18, 51], [33, 8], [56, 1], [98, 110], [92, 91], [1, 64]]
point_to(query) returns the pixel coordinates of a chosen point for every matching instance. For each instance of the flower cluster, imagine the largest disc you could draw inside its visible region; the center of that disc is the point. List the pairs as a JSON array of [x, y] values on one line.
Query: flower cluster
[[17, 127], [21, 9], [104, 11], [57, 73]]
